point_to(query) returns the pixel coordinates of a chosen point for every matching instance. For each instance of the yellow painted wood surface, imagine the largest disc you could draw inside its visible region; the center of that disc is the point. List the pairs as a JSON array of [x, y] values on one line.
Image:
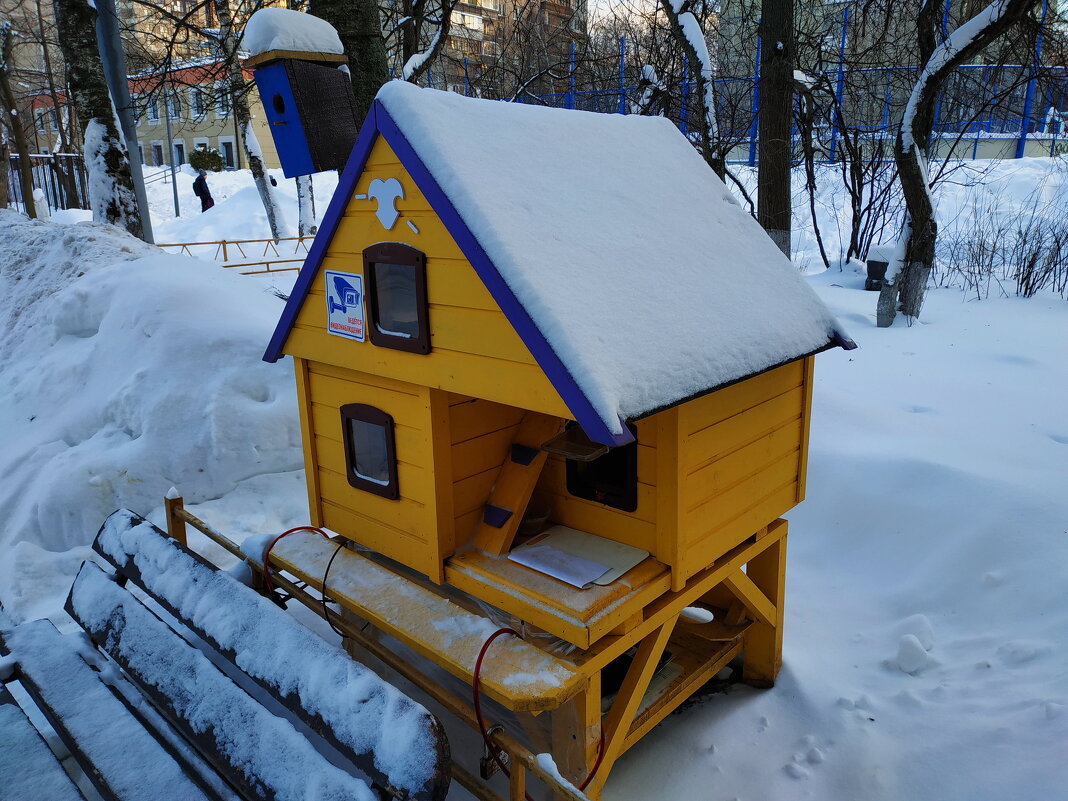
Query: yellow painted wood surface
[[519, 676], [474, 349], [579, 616], [307, 437], [741, 456], [515, 483], [638, 528], [405, 529]]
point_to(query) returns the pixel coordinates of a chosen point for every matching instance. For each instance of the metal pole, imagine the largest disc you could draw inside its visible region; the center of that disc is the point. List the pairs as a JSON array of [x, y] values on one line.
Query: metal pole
[[109, 43], [754, 102], [467, 82], [622, 87], [684, 110], [571, 79], [839, 89], [1029, 98], [170, 145]]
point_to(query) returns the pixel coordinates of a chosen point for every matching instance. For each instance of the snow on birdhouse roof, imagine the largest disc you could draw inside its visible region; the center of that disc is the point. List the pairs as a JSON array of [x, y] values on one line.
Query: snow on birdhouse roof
[[282, 29], [620, 258]]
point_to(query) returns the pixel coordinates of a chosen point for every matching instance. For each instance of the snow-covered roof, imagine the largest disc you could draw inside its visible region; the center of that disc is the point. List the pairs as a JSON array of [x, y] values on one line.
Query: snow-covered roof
[[283, 29], [620, 258]]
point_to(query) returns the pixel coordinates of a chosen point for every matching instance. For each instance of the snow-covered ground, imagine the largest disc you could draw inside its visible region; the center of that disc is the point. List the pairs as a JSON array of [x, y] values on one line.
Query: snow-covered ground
[[926, 637]]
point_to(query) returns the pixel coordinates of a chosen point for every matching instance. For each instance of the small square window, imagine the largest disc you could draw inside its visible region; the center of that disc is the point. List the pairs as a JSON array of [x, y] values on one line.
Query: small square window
[[370, 452], [396, 297], [611, 479]]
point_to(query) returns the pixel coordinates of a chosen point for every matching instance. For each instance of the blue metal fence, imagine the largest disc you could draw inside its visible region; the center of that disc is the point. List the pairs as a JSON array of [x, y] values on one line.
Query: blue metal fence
[[984, 109]]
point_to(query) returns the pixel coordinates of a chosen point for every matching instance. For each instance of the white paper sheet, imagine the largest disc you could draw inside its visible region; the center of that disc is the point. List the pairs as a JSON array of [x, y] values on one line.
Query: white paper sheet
[[575, 570]]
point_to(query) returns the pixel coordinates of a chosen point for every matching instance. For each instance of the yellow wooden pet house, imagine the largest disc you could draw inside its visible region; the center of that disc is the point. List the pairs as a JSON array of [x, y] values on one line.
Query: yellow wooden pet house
[[543, 358]]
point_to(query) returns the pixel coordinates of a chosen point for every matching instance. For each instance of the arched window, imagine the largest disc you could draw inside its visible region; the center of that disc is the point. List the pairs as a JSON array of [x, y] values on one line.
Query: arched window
[[370, 450], [396, 297]]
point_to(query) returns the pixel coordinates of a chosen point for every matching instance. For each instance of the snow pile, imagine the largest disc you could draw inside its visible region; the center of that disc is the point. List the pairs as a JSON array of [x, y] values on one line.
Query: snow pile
[[926, 631], [282, 29], [626, 250], [367, 715], [125, 372]]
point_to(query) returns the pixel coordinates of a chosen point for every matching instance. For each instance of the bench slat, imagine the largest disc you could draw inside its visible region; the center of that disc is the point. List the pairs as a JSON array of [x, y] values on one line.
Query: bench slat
[[259, 754], [519, 676], [29, 767], [103, 736], [397, 742]]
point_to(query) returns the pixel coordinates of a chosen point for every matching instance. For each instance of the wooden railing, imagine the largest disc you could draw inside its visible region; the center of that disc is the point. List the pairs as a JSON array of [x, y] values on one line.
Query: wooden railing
[[234, 254]]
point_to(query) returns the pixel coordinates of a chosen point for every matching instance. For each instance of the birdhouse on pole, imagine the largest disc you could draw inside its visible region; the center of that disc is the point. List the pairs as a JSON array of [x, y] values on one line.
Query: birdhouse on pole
[[298, 64]]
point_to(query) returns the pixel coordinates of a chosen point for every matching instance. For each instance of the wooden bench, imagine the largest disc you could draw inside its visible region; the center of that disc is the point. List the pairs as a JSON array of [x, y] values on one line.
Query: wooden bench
[[247, 712]]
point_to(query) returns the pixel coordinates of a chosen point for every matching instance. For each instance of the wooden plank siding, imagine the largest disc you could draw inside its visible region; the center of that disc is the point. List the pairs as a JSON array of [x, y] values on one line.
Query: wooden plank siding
[[480, 434], [638, 528], [474, 349], [404, 529], [741, 461]]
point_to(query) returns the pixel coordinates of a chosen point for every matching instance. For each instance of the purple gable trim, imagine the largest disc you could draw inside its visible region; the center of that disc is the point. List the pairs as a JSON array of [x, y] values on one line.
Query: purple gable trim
[[377, 122], [517, 315], [334, 212]]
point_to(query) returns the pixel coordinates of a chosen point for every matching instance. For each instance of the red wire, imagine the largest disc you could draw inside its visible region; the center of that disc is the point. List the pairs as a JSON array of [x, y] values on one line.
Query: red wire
[[482, 723], [267, 553]]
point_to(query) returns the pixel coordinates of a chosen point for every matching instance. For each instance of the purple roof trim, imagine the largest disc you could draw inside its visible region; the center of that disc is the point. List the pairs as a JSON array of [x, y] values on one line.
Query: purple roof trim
[[334, 212], [378, 121], [517, 315]]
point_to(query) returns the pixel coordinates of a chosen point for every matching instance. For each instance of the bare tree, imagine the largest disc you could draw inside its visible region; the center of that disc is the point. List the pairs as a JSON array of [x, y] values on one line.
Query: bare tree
[[14, 124], [938, 61], [228, 43], [691, 34]]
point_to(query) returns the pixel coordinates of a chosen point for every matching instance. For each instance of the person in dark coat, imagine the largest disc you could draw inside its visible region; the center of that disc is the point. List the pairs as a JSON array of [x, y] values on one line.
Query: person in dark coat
[[200, 189]]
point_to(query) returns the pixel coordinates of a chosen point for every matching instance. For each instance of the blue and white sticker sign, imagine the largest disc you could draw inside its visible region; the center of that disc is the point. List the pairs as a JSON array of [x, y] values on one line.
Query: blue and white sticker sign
[[344, 304]]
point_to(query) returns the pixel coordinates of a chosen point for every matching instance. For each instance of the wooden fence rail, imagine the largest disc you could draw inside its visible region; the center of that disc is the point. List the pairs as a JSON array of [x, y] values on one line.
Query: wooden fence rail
[[243, 254]]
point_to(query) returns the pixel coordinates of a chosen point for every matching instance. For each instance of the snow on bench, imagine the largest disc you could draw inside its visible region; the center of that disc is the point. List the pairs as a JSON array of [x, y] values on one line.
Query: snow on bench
[[520, 676], [29, 767], [102, 734], [259, 754], [393, 739]]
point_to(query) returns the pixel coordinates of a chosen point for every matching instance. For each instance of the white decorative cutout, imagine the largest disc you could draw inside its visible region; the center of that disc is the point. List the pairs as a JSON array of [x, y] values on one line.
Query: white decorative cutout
[[386, 192]]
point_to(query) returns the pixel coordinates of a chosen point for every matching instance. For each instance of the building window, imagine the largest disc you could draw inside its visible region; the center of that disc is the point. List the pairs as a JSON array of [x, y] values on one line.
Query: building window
[[370, 451], [196, 103], [222, 100], [611, 479], [396, 294], [152, 110], [179, 154], [174, 107]]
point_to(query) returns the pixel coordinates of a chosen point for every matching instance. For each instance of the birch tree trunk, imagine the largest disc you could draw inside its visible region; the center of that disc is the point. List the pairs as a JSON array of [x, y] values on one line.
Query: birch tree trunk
[[238, 91], [905, 288], [112, 196], [22, 150], [305, 206], [689, 33]]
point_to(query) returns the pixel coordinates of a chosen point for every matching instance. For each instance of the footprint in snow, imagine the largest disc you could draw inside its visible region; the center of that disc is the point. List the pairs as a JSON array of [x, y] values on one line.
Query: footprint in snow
[[808, 756]]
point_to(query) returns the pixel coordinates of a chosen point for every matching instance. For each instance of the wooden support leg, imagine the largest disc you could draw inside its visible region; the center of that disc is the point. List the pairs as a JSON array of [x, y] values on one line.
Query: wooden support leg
[[620, 717], [576, 732], [517, 783], [762, 649], [175, 524]]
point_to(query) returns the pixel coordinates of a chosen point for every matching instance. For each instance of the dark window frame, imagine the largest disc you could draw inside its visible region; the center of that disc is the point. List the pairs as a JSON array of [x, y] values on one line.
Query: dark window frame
[[397, 253], [363, 413], [624, 457]]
